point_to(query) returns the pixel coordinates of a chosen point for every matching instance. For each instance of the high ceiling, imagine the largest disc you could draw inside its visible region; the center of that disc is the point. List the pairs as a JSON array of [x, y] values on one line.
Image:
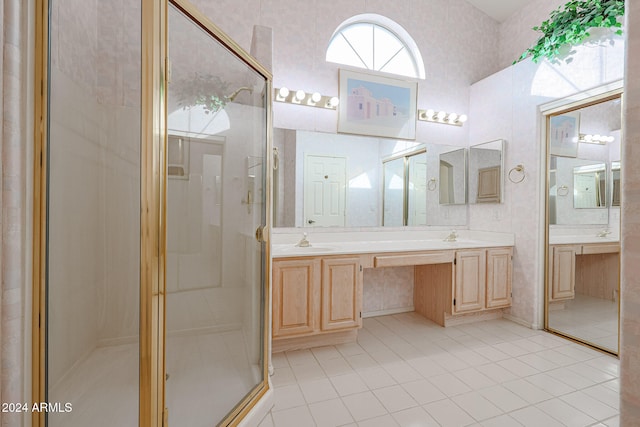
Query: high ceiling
[[499, 10]]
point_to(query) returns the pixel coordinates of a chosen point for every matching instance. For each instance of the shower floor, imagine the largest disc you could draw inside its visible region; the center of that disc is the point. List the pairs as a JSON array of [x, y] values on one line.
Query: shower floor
[[208, 375], [591, 319]]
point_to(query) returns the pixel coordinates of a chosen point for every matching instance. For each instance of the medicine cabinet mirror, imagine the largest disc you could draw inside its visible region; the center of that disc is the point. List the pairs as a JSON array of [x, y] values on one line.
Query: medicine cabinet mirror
[[486, 172], [453, 177]]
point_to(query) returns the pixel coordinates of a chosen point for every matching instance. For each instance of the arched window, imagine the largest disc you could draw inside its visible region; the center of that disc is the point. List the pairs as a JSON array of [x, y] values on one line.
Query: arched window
[[374, 42]]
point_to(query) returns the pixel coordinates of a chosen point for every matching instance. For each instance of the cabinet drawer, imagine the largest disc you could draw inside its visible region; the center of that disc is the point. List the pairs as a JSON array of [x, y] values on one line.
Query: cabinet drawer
[[441, 257], [610, 248]]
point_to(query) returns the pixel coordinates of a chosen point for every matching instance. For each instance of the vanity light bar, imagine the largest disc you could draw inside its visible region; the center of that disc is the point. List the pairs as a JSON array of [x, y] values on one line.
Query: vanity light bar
[[441, 117], [301, 97], [595, 139]]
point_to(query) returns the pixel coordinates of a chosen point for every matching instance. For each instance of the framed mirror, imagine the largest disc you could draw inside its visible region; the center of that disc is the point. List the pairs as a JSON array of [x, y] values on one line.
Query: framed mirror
[[369, 197], [453, 177], [486, 172], [583, 244]]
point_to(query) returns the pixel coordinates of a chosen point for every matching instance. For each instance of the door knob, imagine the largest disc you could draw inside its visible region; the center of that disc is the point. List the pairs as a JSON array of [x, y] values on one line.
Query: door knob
[[311, 221]]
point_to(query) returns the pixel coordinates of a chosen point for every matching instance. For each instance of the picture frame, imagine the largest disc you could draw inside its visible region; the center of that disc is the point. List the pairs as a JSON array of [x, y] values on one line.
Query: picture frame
[[564, 133], [377, 105]]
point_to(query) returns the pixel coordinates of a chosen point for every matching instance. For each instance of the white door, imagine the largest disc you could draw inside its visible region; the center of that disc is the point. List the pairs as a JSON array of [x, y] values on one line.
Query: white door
[[324, 191]]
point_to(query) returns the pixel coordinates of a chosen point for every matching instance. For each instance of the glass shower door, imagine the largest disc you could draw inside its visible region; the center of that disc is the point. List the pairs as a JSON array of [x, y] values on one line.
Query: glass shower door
[[216, 127], [92, 267]]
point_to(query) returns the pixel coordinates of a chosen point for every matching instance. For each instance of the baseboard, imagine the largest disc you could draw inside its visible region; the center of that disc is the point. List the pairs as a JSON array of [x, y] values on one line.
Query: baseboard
[[521, 322], [462, 319], [387, 312], [319, 340]]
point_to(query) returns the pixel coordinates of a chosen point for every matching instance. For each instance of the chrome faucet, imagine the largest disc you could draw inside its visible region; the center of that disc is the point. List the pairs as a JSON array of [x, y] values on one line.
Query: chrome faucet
[[451, 237], [303, 243], [603, 233]]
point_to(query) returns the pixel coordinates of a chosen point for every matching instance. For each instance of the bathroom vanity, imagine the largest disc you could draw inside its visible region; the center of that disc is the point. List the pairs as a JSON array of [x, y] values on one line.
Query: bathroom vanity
[[588, 266], [318, 290]]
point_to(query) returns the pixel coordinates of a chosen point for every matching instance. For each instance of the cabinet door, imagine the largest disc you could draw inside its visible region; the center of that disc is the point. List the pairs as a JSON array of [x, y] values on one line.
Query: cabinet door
[[296, 296], [341, 293], [564, 272], [499, 277], [470, 281]]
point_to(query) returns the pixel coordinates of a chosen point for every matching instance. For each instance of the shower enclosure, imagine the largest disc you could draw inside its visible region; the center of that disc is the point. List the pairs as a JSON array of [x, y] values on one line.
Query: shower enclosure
[[150, 272]]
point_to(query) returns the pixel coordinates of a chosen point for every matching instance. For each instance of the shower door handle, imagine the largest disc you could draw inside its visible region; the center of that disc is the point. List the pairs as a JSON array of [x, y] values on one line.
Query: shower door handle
[[260, 234]]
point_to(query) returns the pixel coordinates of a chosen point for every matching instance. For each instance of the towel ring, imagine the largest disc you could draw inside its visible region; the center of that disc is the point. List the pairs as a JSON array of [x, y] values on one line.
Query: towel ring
[[519, 169], [563, 190], [432, 184]]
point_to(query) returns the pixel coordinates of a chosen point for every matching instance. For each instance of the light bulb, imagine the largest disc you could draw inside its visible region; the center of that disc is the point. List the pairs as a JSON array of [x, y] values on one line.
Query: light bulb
[[430, 113], [300, 95], [463, 118], [441, 115], [610, 139], [597, 138], [588, 138], [452, 117], [283, 92], [333, 102], [316, 97]]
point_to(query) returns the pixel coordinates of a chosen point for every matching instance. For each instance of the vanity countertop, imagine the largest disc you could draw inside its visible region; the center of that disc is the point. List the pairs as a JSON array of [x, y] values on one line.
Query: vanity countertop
[[580, 239], [284, 245]]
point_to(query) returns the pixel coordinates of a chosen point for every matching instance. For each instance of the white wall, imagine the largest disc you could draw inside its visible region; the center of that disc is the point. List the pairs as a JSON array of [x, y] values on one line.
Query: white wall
[[505, 106], [456, 40], [516, 33]]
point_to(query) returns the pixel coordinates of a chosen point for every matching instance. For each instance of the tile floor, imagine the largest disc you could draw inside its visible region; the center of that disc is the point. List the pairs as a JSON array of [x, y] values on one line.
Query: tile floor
[[407, 371], [591, 319]]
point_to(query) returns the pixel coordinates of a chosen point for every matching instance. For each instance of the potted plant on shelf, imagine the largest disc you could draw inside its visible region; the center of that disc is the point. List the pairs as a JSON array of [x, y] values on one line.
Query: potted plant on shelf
[[571, 25]]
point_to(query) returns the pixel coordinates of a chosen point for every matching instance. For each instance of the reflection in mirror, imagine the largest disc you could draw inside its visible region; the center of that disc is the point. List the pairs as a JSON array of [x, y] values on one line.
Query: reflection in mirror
[[589, 186], [417, 189], [365, 200], [615, 183], [394, 190], [453, 177], [486, 172], [405, 189], [577, 191], [584, 229]]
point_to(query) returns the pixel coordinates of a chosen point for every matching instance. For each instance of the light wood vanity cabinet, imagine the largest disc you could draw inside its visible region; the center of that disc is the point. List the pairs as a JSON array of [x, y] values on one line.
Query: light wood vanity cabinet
[[312, 295], [595, 265], [317, 300], [482, 279], [470, 280], [296, 291], [563, 271], [341, 294]]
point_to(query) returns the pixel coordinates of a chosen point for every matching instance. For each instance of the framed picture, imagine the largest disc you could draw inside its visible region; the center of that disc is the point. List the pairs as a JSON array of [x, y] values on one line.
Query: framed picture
[[377, 105], [564, 132]]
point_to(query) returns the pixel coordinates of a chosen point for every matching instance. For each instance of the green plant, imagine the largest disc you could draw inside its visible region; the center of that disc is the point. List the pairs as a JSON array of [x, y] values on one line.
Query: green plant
[[570, 25]]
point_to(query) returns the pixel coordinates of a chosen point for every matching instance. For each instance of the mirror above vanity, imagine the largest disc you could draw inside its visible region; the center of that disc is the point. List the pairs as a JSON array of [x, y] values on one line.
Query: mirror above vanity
[[367, 179]]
